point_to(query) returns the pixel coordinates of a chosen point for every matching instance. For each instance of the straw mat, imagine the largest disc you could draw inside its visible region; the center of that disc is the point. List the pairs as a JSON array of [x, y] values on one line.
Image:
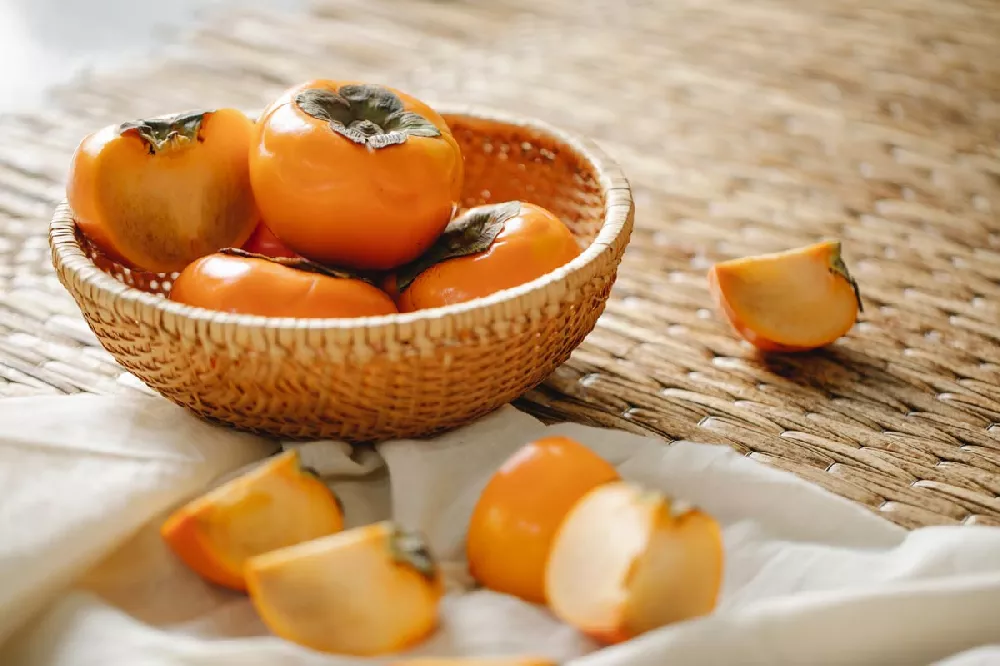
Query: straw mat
[[744, 127]]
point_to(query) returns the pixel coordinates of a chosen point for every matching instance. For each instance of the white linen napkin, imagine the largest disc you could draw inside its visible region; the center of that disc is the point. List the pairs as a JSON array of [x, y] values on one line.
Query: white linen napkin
[[810, 578]]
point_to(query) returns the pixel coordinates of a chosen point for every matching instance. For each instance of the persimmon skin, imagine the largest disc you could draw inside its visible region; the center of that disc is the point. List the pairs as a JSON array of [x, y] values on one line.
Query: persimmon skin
[[787, 302], [263, 241], [156, 209], [337, 202], [531, 244], [254, 286], [520, 509]]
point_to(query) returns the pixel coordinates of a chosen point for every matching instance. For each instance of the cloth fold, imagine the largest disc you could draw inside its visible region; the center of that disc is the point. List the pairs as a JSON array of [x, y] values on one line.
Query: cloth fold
[[810, 578]]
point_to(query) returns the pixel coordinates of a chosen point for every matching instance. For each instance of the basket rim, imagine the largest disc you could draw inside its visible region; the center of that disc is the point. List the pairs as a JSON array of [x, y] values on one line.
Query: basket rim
[[73, 266]]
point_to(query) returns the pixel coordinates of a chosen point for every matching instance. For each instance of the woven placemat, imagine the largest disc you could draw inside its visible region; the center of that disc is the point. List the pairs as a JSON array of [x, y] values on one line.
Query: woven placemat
[[744, 127]]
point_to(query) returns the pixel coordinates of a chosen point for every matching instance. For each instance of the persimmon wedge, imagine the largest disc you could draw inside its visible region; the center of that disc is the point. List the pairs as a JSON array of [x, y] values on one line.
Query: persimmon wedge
[[368, 591], [790, 301], [277, 504], [627, 560], [158, 193], [520, 509]]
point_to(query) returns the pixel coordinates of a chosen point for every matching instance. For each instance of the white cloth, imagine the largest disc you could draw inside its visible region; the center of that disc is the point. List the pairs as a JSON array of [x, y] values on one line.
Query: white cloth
[[810, 578]]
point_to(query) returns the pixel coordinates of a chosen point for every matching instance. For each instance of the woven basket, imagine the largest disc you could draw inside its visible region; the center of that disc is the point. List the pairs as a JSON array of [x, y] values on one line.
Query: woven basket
[[371, 379]]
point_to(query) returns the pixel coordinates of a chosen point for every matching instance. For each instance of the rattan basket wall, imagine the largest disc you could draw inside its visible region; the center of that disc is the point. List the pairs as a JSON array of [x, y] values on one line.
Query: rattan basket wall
[[377, 378]]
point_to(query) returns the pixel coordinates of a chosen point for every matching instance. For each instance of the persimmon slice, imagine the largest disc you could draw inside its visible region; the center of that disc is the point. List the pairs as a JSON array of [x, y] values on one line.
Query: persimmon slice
[[628, 560], [160, 192], [367, 591], [796, 300], [275, 505]]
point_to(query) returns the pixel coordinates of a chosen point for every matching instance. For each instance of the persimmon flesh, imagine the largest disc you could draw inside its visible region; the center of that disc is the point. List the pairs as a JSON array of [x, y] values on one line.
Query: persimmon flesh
[[275, 505], [355, 175], [158, 193], [527, 242], [627, 560], [367, 591], [257, 285], [789, 301], [520, 509]]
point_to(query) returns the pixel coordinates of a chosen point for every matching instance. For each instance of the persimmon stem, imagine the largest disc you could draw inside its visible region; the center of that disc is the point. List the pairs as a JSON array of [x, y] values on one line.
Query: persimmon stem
[[368, 115], [301, 264], [164, 132], [410, 548], [472, 231]]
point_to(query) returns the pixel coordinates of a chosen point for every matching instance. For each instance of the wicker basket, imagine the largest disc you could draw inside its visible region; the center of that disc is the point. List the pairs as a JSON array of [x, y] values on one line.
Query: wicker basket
[[377, 378]]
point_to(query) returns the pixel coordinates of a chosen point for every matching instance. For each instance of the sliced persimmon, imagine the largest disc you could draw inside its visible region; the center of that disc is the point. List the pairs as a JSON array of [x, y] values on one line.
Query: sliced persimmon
[[368, 591], [789, 301], [277, 504], [158, 193], [628, 560]]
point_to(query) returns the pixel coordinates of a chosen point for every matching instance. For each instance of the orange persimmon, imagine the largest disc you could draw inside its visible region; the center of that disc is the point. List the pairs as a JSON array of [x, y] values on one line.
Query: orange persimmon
[[789, 301], [367, 591], [483, 251], [627, 560], [521, 507], [270, 287], [158, 193], [276, 504], [357, 175], [263, 241]]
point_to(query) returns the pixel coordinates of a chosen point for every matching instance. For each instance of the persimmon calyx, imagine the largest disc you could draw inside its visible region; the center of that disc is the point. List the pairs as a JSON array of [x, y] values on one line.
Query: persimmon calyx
[[410, 549], [167, 132], [301, 264], [838, 267], [472, 231], [368, 115]]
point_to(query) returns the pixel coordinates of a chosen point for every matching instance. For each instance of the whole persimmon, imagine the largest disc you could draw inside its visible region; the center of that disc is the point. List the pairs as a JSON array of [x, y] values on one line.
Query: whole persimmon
[[521, 508], [263, 241], [353, 174], [158, 193], [483, 251], [236, 282]]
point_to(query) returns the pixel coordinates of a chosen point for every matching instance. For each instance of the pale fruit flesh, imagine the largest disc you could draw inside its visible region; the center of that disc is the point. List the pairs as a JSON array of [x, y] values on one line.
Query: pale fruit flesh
[[348, 593], [277, 504], [795, 300], [623, 564]]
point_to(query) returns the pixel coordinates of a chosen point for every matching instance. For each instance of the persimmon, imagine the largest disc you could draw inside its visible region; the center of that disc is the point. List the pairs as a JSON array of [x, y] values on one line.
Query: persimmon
[[627, 560], [789, 301], [519, 510], [277, 504], [158, 193], [353, 174], [263, 241], [239, 282], [483, 251], [367, 591]]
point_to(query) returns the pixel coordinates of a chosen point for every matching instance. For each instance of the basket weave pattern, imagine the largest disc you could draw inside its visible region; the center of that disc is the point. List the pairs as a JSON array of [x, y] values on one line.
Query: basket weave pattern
[[404, 376]]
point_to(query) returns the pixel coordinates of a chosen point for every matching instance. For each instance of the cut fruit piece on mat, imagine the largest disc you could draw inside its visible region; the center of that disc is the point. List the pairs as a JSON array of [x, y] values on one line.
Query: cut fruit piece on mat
[[789, 301], [276, 504], [368, 591], [628, 560], [520, 509]]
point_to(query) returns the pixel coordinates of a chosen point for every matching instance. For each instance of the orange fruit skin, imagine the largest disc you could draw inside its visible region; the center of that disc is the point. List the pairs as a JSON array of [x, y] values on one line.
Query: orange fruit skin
[[520, 509], [340, 203], [263, 241], [255, 286], [530, 245], [121, 195]]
